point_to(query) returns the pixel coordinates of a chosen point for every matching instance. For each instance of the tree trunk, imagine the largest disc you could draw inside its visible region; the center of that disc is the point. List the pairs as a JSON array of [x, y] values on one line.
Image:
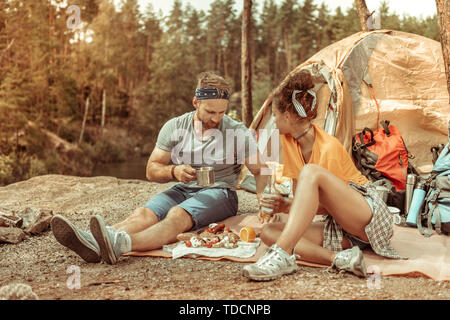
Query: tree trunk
[[268, 57], [84, 121], [363, 14], [287, 48], [103, 108], [246, 76], [5, 50], [443, 16]]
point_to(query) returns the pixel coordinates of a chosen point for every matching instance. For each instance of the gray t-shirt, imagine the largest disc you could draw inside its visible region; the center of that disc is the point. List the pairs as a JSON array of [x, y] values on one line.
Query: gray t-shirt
[[225, 149]]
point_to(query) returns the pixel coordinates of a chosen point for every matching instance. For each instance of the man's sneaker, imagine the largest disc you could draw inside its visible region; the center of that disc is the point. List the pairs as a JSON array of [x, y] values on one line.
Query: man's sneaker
[[272, 265], [79, 241], [351, 260], [112, 243]]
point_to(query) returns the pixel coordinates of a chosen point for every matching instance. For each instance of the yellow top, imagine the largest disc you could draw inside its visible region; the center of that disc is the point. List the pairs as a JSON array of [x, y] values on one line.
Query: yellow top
[[327, 152]]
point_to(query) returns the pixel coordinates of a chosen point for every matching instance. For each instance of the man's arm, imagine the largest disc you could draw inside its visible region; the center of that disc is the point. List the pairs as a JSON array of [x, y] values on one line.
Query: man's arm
[[256, 166], [159, 170]]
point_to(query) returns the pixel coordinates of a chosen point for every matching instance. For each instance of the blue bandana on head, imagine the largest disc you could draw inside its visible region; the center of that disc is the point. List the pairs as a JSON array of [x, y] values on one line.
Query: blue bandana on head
[[210, 93]]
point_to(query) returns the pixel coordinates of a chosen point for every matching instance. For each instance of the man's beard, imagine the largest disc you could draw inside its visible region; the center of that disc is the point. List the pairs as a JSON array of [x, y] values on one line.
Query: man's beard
[[209, 125]]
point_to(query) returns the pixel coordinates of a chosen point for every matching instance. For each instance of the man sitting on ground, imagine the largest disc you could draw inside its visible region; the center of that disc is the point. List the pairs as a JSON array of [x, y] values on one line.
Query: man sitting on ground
[[204, 137]]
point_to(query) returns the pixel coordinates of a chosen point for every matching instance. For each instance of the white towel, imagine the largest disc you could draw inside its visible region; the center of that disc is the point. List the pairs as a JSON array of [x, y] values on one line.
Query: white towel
[[244, 250]]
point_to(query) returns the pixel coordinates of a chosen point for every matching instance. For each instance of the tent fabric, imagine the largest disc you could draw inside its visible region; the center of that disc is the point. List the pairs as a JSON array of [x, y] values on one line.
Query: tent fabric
[[407, 75]]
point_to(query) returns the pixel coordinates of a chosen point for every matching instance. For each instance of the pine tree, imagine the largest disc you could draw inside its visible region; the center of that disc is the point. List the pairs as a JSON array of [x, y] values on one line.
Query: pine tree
[[195, 37], [323, 26], [305, 40], [337, 30], [268, 39], [351, 21], [173, 71], [223, 35], [287, 15], [388, 20]]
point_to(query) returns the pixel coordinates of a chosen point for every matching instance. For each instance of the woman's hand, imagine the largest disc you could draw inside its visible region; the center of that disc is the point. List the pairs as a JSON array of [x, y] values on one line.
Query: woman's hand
[[270, 206], [275, 203]]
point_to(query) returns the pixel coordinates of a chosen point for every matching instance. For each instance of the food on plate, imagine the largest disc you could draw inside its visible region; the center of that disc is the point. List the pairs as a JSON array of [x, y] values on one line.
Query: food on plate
[[185, 236], [216, 228], [215, 236], [247, 234]]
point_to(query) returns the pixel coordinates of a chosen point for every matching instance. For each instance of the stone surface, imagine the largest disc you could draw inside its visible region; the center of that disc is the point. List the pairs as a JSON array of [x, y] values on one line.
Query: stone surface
[[41, 222], [50, 269], [11, 235]]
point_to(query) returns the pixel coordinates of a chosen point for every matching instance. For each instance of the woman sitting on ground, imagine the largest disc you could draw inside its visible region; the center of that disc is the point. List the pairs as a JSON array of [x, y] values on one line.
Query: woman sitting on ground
[[325, 182]]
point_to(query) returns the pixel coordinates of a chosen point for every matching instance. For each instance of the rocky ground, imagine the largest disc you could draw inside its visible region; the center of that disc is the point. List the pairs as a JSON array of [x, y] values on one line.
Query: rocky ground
[[53, 271]]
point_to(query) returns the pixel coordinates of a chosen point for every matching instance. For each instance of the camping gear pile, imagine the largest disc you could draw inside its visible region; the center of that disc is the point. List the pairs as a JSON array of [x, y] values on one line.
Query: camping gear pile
[[434, 208], [371, 78]]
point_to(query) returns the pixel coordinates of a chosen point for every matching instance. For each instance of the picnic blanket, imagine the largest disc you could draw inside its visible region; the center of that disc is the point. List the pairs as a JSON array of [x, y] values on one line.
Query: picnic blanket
[[427, 257]]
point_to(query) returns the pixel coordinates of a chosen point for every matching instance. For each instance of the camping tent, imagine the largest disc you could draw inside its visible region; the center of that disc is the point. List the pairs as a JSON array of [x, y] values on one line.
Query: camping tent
[[400, 72]]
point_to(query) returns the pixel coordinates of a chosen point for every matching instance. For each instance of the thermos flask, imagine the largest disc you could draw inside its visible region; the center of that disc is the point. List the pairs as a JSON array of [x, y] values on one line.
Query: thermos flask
[[416, 203], [410, 183]]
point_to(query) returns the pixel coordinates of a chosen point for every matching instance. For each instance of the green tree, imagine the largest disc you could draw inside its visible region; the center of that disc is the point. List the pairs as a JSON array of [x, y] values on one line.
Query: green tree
[[268, 43], [223, 38], [195, 36], [173, 73], [287, 16], [337, 30], [388, 20], [351, 21], [306, 27], [323, 26]]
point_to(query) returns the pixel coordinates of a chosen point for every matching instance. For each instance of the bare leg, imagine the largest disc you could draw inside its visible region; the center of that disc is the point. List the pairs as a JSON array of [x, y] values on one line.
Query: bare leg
[[141, 219], [163, 232], [348, 207], [309, 247]]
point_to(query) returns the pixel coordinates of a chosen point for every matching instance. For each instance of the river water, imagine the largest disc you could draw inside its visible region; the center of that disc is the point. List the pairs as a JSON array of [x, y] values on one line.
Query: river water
[[130, 169]]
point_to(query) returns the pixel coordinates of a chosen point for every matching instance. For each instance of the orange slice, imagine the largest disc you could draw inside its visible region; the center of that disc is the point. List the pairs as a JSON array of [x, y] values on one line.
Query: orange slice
[[247, 234]]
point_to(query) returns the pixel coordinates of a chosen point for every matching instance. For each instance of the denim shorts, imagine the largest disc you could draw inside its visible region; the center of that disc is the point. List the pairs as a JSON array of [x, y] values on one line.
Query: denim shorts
[[206, 206]]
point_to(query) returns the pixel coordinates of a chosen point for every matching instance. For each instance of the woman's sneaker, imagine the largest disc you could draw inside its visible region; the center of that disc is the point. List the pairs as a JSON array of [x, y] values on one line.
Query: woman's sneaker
[[272, 265], [79, 241], [112, 243], [351, 260]]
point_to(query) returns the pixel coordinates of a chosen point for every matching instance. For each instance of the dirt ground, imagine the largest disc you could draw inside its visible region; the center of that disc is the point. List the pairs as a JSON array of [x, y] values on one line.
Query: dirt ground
[[50, 269]]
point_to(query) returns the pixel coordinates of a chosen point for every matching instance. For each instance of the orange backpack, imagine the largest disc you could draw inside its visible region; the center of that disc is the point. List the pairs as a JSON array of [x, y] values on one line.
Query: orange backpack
[[382, 154]]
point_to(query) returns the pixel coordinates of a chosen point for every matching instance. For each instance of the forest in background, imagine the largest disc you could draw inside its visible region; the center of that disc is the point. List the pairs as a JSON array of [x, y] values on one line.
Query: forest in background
[[143, 66]]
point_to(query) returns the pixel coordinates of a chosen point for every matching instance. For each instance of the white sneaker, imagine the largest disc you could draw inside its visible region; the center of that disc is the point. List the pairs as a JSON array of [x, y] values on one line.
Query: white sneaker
[[351, 260], [112, 243], [272, 265], [77, 240]]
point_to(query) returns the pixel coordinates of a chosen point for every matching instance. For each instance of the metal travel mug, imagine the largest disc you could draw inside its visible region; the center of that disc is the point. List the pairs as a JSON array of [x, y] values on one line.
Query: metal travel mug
[[205, 176], [410, 184], [416, 203]]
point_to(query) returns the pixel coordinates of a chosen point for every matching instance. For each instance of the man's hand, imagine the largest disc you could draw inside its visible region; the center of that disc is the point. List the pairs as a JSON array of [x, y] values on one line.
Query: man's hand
[[184, 173], [159, 170]]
